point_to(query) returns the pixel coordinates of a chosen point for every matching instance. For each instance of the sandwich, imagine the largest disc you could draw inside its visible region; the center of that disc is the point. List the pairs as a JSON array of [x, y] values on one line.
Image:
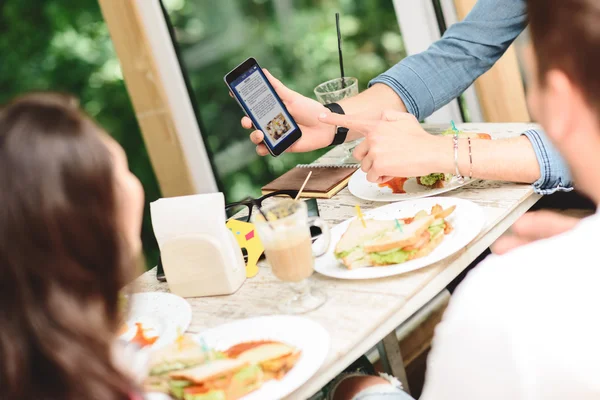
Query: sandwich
[[393, 243], [350, 251], [222, 379], [188, 371], [275, 359], [435, 180], [417, 240], [183, 354]]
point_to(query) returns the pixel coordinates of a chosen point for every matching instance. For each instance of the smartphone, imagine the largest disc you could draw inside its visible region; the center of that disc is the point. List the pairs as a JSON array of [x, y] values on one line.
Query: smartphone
[[254, 93]]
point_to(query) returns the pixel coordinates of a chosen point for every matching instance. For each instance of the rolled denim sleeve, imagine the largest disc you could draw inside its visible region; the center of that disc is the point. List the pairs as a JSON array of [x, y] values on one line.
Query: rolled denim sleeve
[[554, 172], [429, 80]]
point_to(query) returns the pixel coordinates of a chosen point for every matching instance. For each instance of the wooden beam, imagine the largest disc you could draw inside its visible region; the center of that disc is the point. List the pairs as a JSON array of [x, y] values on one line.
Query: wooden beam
[[500, 90], [148, 96]]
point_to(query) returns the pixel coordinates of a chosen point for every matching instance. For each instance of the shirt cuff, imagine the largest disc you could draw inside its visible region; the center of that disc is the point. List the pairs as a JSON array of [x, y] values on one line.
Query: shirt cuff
[[554, 172], [410, 87]]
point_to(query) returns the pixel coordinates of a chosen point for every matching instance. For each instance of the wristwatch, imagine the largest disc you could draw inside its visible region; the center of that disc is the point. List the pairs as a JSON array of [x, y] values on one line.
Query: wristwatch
[[340, 132]]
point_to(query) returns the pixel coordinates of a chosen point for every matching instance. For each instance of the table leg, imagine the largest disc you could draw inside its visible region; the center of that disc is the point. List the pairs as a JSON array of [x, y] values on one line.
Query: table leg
[[391, 359]]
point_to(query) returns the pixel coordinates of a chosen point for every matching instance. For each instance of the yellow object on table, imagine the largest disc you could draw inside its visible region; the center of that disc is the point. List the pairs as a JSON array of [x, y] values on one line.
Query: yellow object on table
[[246, 236]]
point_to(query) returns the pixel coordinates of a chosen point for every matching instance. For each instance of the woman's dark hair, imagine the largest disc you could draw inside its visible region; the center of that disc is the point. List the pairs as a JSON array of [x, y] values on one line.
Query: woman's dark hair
[[566, 36], [62, 258]]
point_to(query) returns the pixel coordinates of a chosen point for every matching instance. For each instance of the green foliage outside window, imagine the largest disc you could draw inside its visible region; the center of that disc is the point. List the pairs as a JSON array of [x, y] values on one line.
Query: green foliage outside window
[[296, 40], [64, 45]]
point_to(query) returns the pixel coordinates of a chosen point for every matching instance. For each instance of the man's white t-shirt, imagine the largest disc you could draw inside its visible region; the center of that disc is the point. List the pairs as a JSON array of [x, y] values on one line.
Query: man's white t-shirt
[[525, 325]]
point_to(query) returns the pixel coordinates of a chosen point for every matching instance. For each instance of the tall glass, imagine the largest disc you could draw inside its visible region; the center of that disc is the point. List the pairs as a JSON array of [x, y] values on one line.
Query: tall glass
[[290, 252], [333, 91]]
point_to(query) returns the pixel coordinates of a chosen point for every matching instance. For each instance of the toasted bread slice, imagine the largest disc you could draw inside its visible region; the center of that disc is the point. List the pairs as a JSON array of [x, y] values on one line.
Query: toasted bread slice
[[275, 358], [356, 234], [265, 352], [429, 247], [278, 367], [424, 239], [396, 239], [210, 370], [183, 354], [357, 259]]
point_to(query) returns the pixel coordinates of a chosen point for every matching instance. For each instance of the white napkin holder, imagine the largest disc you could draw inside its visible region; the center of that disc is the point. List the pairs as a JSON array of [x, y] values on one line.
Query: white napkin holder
[[199, 253]]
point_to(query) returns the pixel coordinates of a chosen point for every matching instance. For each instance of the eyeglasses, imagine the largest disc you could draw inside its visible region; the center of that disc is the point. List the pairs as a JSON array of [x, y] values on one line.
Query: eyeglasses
[[242, 210]]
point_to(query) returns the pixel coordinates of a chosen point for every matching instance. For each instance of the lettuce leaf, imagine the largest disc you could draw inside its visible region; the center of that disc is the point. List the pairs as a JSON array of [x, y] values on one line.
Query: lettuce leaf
[[437, 227], [177, 387], [346, 253], [431, 179], [391, 257]]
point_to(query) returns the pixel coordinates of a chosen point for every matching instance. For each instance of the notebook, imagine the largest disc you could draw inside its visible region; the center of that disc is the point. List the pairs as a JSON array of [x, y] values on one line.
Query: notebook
[[326, 180]]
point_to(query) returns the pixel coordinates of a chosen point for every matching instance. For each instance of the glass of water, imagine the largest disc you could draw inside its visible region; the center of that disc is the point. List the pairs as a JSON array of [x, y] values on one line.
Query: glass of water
[[333, 91]]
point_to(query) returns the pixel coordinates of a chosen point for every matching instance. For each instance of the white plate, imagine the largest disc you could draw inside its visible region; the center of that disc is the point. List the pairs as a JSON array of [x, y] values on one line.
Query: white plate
[[360, 187], [308, 336], [468, 220], [163, 314]]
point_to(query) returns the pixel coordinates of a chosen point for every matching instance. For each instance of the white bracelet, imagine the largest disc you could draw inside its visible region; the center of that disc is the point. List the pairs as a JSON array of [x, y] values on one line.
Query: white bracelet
[[470, 159], [461, 179]]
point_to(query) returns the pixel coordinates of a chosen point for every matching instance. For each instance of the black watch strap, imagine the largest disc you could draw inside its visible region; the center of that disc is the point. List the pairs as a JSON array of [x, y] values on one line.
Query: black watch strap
[[340, 132]]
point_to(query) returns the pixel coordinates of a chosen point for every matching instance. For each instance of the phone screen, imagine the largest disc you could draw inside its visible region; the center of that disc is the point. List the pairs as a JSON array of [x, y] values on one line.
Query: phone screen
[[263, 105]]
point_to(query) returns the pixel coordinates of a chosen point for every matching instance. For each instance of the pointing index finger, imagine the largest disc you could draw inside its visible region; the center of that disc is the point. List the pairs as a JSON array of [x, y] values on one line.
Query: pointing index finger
[[363, 126]]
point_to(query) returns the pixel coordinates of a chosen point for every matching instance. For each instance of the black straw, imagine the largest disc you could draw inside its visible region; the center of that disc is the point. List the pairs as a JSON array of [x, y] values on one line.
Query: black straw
[[339, 35]]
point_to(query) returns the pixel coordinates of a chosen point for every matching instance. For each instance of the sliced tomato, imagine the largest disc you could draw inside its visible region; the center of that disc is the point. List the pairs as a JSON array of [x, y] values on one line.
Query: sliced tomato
[[238, 349], [196, 389]]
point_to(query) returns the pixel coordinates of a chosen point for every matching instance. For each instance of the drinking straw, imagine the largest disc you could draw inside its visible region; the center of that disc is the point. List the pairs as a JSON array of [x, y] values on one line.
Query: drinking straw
[[360, 215], [339, 35], [303, 185]]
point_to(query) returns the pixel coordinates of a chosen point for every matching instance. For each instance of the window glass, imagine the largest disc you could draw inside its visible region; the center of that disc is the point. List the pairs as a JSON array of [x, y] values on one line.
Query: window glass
[[296, 40]]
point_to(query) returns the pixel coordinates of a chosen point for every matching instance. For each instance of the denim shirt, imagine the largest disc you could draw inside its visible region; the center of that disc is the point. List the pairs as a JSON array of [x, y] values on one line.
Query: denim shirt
[[427, 81]]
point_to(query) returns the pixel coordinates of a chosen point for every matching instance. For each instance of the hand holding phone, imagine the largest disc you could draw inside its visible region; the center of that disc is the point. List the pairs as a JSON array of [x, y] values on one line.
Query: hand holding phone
[[255, 94]]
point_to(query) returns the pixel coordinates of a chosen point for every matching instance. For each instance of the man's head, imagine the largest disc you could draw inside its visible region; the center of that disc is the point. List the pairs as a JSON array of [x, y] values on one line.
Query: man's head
[[564, 92]]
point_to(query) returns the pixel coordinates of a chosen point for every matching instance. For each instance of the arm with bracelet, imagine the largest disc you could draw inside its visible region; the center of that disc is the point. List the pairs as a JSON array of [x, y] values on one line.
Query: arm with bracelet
[[420, 85], [382, 155]]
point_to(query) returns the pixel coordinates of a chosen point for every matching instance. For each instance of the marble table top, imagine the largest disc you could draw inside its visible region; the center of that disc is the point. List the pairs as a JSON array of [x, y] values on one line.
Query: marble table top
[[358, 314]]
